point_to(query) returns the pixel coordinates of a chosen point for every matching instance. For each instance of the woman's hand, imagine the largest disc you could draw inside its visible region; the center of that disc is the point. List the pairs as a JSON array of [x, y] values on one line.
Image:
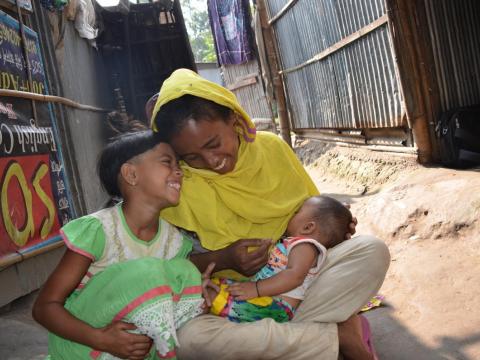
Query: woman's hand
[[244, 261], [116, 340], [209, 289], [351, 226], [243, 290]]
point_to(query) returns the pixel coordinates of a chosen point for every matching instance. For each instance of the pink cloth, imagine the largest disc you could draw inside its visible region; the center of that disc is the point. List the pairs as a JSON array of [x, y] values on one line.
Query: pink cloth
[[367, 336]]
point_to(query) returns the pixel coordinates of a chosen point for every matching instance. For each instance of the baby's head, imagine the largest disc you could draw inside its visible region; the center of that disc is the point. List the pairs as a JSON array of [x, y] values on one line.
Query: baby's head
[[322, 218], [140, 163]]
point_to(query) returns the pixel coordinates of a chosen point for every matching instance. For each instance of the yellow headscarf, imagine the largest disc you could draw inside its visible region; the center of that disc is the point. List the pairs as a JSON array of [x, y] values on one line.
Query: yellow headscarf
[[186, 82], [256, 199]]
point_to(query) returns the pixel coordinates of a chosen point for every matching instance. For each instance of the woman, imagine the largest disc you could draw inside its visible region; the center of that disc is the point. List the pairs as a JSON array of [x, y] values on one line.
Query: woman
[[240, 189]]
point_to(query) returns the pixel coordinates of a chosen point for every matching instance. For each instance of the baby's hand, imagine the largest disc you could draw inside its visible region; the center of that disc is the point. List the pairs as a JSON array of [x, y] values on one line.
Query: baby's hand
[[243, 290]]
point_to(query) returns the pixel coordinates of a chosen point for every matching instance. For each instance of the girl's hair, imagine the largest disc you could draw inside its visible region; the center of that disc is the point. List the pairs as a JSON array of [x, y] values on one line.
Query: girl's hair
[[118, 151], [172, 116], [122, 123]]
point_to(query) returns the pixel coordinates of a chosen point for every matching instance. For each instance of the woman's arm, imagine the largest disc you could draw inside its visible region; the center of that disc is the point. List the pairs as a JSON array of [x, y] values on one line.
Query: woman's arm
[[236, 256], [49, 311], [300, 260]]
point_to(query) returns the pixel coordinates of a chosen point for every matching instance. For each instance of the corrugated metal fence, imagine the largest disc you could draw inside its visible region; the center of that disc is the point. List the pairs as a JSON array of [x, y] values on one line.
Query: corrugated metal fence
[[337, 63], [251, 95], [455, 37]]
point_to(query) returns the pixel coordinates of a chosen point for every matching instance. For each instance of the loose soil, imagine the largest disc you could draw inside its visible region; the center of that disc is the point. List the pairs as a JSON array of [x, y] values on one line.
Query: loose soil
[[429, 217]]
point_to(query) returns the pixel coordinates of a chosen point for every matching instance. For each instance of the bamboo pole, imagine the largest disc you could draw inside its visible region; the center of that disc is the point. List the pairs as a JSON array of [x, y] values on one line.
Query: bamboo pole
[[17, 257], [341, 44], [276, 77], [356, 142], [282, 12], [407, 62], [49, 98], [429, 83]]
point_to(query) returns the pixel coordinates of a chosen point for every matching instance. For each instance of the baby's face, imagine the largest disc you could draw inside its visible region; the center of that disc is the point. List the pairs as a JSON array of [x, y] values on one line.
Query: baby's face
[[303, 216]]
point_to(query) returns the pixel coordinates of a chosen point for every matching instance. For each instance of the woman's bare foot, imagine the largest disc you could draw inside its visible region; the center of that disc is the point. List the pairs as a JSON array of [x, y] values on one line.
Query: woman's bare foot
[[351, 341]]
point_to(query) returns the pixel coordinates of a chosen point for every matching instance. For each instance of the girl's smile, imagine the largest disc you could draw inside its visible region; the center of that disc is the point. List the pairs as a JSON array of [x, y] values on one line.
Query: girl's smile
[[158, 175], [175, 184]]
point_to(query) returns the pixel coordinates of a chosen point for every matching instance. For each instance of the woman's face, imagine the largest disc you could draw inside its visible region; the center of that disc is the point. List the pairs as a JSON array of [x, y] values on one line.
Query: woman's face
[[210, 144]]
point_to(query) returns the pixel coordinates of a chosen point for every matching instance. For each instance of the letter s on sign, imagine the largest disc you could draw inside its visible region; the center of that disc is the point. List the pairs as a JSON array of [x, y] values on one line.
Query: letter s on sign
[[19, 236], [47, 223]]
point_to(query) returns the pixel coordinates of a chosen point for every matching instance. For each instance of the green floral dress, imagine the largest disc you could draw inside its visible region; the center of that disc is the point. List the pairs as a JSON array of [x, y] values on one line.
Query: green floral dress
[[150, 284]]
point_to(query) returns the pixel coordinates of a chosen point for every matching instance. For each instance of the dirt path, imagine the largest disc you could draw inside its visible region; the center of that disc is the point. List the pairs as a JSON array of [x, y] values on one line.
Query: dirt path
[[429, 217]]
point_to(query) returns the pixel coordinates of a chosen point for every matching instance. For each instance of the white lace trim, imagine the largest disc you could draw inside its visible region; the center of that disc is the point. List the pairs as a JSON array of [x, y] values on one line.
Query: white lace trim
[[156, 320], [187, 309], [107, 356], [160, 319]]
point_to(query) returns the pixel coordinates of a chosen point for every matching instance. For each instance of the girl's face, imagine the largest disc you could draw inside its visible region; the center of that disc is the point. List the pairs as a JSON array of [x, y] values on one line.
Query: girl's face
[[158, 174], [208, 144]]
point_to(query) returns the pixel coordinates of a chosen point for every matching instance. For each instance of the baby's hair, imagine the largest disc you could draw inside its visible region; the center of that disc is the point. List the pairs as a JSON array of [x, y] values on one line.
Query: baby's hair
[[172, 116], [118, 151], [333, 217]]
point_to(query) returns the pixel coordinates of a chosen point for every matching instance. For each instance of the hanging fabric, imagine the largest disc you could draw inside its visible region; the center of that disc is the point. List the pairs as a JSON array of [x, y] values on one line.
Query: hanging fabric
[[230, 24], [53, 5]]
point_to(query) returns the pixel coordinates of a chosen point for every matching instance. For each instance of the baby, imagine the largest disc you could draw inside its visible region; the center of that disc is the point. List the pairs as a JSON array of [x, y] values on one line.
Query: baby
[[279, 287]]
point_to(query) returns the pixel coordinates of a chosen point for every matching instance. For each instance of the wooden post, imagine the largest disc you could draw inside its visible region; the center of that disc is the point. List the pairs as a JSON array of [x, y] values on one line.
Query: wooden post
[[274, 67], [426, 62], [404, 37]]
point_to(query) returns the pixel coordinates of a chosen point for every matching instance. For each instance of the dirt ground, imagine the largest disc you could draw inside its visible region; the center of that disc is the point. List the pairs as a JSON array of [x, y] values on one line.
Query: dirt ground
[[429, 219]]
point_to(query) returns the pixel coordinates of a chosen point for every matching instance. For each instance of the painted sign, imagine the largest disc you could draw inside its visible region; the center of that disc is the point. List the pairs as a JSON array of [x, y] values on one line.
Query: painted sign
[[34, 195]]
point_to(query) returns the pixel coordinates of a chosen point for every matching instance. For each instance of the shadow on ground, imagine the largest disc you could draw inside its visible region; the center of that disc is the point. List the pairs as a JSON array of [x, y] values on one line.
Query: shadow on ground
[[394, 341]]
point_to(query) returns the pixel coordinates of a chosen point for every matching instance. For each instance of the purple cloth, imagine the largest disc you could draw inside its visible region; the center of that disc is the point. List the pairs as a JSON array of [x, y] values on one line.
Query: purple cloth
[[232, 34]]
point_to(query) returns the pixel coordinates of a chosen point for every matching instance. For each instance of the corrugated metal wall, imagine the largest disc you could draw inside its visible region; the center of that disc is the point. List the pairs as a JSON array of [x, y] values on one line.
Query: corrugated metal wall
[[75, 70], [455, 37], [252, 97], [88, 129], [354, 87]]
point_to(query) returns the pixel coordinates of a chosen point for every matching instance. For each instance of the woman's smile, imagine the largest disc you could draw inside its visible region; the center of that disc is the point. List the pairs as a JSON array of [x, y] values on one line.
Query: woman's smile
[[221, 165], [208, 144]]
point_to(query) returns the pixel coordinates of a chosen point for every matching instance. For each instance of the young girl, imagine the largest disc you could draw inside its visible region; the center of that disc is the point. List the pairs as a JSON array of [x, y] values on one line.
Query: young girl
[[125, 279], [280, 286]]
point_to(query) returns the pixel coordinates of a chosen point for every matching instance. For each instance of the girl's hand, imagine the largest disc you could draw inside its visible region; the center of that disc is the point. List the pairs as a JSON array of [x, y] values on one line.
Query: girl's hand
[[209, 289], [245, 262], [243, 290], [116, 340]]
